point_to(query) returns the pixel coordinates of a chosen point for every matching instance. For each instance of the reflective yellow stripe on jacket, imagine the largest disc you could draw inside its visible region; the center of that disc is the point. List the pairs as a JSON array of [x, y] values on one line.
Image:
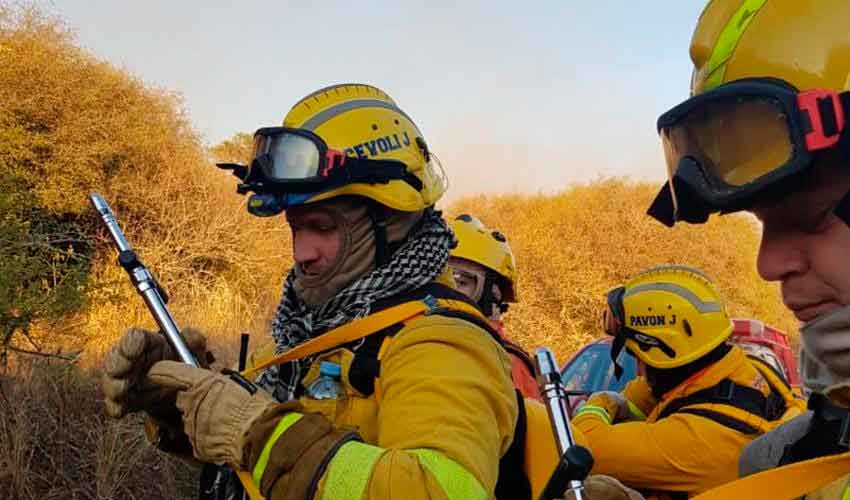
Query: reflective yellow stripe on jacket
[[349, 472]]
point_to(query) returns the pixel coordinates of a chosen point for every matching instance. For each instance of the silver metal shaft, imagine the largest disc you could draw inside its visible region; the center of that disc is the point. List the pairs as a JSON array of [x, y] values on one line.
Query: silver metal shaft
[[555, 398], [145, 284]]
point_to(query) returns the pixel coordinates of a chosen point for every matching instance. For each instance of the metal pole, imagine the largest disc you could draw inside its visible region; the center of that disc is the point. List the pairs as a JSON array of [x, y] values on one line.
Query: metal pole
[[555, 398], [144, 282]]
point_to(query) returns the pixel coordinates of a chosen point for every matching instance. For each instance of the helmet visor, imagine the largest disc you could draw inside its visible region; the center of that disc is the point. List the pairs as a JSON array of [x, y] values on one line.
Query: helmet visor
[[736, 140]]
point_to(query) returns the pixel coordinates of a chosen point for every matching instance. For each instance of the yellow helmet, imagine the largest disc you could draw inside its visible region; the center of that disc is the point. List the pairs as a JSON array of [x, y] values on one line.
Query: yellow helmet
[[488, 248], [344, 140], [667, 316], [804, 43], [362, 121]]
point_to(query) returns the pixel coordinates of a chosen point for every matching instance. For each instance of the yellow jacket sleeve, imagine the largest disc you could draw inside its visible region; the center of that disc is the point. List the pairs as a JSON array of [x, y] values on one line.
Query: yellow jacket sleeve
[[679, 453], [445, 417]]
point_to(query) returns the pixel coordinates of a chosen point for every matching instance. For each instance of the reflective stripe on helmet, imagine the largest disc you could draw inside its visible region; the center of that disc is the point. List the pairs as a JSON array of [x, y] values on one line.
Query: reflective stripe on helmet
[[728, 40], [323, 116], [699, 304]]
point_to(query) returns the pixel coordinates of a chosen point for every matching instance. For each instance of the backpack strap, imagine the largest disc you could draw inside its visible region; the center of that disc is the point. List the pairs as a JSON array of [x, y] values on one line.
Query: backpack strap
[[433, 298], [344, 334], [366, 367], [743, 402], [745, 399]]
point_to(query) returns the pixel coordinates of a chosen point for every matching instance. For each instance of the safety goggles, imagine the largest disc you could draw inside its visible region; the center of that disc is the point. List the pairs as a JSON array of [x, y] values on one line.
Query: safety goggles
[[726, 145], [614, 324], [290, 160], [469, 283]]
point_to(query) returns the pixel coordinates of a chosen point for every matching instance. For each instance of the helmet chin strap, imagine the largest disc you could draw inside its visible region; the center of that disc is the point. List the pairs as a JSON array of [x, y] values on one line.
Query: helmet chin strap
[[379, 225]]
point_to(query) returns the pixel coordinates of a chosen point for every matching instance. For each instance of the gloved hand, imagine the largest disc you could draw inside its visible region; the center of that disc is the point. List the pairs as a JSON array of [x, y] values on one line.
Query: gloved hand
[[601, 487], [217, 412], [612, 402], [640, 394], [226, 423], [127, 363]]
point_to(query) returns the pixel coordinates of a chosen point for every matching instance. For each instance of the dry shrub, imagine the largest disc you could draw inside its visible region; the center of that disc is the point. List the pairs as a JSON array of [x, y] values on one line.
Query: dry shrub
[[572, 247], [56, 443], [71, 124]]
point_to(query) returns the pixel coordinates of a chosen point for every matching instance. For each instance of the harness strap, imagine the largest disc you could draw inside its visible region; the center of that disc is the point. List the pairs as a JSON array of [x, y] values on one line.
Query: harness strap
[[434, 298], [348, 332], [726, 392], [759, 410], [790, 481]]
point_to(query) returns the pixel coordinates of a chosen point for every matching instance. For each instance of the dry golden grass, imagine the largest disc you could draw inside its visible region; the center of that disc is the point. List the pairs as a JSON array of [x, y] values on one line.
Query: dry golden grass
[[56, 443], [572, 247]]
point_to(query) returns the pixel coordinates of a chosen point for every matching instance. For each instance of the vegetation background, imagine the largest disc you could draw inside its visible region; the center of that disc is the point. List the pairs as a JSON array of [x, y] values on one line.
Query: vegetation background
[[71, 124]]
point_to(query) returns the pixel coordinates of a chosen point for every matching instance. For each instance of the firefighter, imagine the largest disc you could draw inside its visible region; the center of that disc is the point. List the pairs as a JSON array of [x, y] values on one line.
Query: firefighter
[[416, 402], [678, 430], [765, 131], [484, 270]]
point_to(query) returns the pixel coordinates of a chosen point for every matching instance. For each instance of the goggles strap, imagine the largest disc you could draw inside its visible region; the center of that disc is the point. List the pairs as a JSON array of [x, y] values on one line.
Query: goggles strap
[[616, 348], [615, 308], [367, 171], [825, 113]]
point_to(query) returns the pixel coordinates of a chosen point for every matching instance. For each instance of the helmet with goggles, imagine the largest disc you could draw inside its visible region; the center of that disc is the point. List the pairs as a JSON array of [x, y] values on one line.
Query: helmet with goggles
[[489, 249], [667, 317], [769, 95], [345, 140]]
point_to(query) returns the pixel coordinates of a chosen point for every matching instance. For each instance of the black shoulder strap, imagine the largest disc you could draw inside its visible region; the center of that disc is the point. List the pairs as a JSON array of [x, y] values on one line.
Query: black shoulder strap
[[512, 482], [727, 393], [828, 432]]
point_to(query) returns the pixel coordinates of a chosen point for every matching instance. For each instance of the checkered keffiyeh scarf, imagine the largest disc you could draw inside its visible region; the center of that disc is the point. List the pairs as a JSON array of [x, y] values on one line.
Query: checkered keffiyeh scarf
[[416, 263]]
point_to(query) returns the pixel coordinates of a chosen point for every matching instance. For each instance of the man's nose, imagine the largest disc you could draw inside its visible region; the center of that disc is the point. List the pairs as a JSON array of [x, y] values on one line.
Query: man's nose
[[781, 254], [304, 249]]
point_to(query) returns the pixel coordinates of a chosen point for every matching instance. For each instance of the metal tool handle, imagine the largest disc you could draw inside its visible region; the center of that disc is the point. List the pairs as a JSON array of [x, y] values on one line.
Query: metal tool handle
[[555, 399], [144, 282]]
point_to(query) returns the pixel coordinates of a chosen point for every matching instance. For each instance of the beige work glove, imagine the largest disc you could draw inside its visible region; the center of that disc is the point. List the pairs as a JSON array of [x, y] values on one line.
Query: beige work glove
[[217, 412], [128, 361], [601, 487]]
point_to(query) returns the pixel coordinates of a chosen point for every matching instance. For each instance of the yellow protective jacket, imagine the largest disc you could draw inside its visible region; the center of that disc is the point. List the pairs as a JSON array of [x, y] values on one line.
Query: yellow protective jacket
[[441, 415], [690, 450]]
